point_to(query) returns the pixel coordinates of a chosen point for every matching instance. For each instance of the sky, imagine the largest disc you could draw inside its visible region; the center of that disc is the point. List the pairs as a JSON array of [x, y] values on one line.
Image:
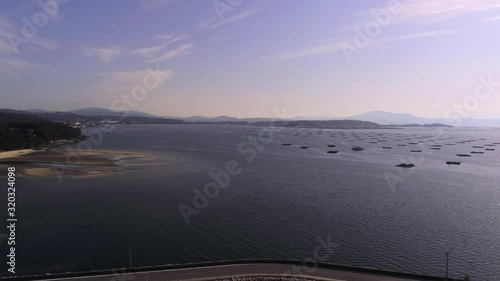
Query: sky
[[250, 58]]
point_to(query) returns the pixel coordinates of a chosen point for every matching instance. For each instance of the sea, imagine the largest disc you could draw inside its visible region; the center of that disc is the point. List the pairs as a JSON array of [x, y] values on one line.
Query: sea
[[227, 192]]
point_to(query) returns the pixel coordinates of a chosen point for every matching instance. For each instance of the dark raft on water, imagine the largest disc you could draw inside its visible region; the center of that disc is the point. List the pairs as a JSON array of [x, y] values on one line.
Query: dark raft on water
[[406, 165], [357, 148]]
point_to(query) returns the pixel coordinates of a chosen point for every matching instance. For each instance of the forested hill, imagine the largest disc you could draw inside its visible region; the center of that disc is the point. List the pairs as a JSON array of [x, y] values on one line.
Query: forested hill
[[8, 117], [22, 131], [323, 124]]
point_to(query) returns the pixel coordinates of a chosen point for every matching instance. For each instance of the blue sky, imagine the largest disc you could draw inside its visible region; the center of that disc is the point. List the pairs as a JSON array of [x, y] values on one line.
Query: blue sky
[[245, 58]]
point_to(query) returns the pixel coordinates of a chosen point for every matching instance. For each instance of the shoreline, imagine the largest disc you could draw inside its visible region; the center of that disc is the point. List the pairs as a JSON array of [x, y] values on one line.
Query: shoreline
[[263, 269], [15, 153], [58, 162]]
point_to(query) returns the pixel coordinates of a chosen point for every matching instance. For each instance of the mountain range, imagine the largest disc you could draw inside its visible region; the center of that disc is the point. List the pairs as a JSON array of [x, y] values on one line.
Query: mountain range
[[102, 112], [388, 118], [379, 117]]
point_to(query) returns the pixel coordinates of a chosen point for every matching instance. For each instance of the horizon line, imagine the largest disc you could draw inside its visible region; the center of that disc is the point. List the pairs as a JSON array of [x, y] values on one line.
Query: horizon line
[[229, 116]]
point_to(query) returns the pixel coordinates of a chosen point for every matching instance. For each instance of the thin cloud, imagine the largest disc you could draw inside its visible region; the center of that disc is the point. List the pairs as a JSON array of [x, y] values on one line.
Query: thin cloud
[[313, 51], [236, 18], [150, 52], [165, 36], [177, 39], [418, 35], [5, 47], [106, 55], [171, 37], [132, 77], [180, 51], [427, 11], [147, 52], [14, 65], [44, 43], [340, 44], [8, 27], [490, 19]]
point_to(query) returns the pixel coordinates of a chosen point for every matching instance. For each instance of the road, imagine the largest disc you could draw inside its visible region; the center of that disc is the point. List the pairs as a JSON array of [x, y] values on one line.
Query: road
[[228, 271]]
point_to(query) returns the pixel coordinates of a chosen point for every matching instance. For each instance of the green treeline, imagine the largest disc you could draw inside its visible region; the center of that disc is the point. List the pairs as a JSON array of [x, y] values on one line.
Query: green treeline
[[24, 134]]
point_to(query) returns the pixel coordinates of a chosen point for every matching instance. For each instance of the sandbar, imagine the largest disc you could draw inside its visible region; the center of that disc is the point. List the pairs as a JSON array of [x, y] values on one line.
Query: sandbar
[[63, 162]]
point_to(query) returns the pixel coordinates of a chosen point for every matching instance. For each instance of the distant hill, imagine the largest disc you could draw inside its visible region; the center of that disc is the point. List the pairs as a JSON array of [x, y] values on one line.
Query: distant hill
[[211, 119], [379, 117], [324, 124], [37, 110], [60, 116], [388, 118], [7, 117], [95, 115], [137, 120], [93, 111], [97, 111], [7, 110], [48, 115], [433, 125], [204, 119]]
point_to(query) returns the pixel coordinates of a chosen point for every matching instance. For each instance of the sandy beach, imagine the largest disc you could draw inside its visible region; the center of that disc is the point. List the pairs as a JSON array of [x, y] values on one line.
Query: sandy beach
[[15, 153], [61, 162]]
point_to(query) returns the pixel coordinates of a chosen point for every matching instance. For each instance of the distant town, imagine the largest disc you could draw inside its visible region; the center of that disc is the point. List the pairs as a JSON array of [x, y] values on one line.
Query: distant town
[[88, 123]]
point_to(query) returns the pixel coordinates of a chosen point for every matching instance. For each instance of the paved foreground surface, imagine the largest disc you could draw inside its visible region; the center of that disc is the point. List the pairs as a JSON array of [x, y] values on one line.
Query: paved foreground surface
[[242, 272]]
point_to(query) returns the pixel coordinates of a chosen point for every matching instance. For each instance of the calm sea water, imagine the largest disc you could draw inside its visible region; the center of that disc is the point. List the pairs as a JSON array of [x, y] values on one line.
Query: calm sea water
[[284, 199]]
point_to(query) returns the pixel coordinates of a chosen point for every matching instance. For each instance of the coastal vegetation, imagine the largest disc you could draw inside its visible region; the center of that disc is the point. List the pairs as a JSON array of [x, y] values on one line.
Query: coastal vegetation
[[22, 131]]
